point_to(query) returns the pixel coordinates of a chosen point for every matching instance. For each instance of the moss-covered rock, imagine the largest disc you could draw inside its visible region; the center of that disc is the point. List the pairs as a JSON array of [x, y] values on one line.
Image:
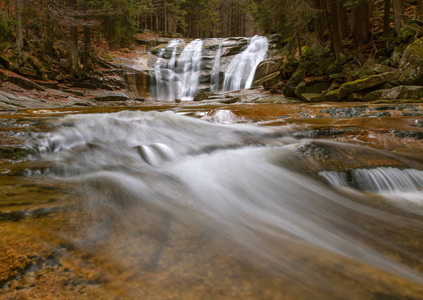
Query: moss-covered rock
[[271, 80], [288, 68], [4, 62], [13, 153], [313, 97], [314, 86], [332, 96], [291, 85], [411, 64], [398, 92], [365, 84]]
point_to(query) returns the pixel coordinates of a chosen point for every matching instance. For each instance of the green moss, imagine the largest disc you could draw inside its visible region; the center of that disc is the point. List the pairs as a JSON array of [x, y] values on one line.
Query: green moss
[[13, 153]]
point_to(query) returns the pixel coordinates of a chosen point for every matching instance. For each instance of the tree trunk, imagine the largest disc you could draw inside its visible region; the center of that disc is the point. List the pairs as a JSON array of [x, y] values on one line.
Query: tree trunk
[[361, 23], [48, 33], [343, 20], [87, 48], [399, 10], [387, 19], [73, 46], [19, 35], [420, 9], [336, 36]]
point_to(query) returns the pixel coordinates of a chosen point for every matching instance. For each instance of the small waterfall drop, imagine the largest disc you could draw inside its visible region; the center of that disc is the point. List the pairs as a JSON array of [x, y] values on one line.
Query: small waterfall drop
[[240, 72], [190, 62], [216, 70], [403, 188]]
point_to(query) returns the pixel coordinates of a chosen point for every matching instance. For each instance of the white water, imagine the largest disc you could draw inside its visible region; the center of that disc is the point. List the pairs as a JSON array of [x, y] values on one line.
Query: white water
[[216, 70], [230, 178], [403, 188], [241, 70], [178, 77], [190, 61]]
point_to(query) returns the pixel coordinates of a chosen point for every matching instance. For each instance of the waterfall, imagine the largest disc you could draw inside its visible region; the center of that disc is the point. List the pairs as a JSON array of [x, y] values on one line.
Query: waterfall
[[190, 61], [216, 70], [177, 76], [240, 72]]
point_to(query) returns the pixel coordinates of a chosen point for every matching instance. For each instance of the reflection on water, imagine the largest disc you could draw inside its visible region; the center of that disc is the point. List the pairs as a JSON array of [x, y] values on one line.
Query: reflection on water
[[174, 207]]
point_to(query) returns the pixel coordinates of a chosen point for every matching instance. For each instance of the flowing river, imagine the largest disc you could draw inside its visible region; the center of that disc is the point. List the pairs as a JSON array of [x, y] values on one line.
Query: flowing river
[[213, 202]]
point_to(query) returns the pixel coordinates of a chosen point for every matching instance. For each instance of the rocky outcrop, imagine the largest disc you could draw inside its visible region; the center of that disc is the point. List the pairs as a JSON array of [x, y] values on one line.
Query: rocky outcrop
[[411, 64], [316, 86], [111, 96], [398, 92], [292, 83], [365, 84], [265, 68], [25, 83]]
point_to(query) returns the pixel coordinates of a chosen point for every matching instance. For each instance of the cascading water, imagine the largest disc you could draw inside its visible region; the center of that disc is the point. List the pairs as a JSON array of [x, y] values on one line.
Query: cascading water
[[235, 182], [215, 77], [190, 62], [241, 70], [179, 77], [403, 188]]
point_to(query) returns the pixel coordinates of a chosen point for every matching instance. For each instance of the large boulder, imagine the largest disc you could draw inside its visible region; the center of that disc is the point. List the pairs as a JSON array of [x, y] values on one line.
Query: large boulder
[[313, 86], [271, 80], [291, 85], [411, 64], [365, 84], [265, 68], [25, 83], [398, 92]]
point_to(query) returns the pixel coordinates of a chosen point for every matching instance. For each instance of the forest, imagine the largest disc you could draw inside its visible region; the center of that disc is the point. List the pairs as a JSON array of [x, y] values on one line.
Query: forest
[[54, 29]]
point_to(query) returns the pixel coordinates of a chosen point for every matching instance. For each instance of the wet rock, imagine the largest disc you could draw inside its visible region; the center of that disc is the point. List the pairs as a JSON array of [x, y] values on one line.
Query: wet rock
[[332, 156], [291, 85], [365, 84], [418, 135], [347, 112], [202, 96], [411, 64], [13, 153], [112, 96], [25, 83]]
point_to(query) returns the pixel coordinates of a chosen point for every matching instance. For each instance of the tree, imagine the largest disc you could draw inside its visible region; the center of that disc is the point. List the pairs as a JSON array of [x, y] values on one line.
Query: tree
[[399, 11], [19, 34]]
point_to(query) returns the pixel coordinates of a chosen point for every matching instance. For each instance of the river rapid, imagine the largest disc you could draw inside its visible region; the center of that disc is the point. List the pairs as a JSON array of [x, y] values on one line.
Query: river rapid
[[253, 201]]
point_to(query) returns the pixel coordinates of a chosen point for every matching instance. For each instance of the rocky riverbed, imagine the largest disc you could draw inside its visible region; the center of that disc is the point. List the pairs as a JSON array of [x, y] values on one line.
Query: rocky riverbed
[[57, 242]]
